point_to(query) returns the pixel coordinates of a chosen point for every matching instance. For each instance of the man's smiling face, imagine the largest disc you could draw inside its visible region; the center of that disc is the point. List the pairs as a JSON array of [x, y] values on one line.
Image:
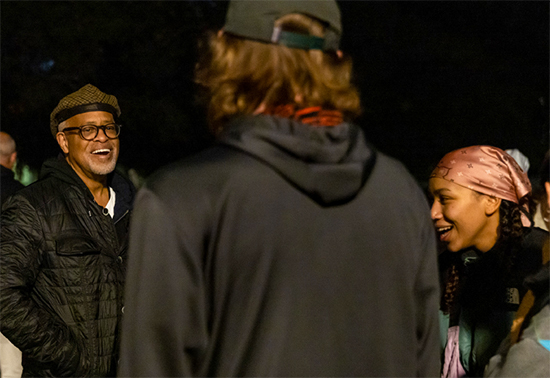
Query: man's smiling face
[[89, 158]]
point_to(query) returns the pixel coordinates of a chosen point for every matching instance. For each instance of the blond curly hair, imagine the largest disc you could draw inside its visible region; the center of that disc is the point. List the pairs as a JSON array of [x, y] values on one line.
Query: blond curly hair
[[240, 75]]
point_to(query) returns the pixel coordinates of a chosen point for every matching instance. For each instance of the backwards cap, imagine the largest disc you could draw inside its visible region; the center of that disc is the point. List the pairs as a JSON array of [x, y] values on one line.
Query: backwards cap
[[256, 20], [86, 99]]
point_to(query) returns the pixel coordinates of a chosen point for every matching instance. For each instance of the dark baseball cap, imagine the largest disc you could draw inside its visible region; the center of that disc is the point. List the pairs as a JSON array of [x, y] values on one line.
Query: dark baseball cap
[[256, 20]]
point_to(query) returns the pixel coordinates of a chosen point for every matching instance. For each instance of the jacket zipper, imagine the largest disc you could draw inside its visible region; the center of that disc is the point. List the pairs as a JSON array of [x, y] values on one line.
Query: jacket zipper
[[122, 216]]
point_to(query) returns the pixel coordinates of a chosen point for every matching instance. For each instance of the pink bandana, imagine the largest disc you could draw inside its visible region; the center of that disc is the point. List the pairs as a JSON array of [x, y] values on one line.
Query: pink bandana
[[487, 170]]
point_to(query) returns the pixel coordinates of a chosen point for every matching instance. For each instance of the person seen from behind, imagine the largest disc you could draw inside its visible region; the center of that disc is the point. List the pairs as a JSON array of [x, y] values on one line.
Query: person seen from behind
[[481, 210], [292, 247], [64, 246]]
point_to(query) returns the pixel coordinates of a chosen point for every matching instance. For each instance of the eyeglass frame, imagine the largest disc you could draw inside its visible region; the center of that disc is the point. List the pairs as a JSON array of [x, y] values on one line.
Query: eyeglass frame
[[102, 127]]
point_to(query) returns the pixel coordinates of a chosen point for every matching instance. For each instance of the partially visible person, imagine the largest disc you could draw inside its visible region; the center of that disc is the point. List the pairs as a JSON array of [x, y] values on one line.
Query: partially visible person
[[10, 356], [292, 247], [481, 210], [64, 246], [8, 158], [523, 162], [545, 182], [526, 352], [520, 158], [10, 359], [542, 215]]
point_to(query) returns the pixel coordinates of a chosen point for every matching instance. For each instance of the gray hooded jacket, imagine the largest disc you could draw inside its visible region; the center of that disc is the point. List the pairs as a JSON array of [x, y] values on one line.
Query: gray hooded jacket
[[285, 250]]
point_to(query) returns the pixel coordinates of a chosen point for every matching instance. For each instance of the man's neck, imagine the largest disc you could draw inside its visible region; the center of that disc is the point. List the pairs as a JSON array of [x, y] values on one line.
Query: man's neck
[[97, 185], [99, 190]]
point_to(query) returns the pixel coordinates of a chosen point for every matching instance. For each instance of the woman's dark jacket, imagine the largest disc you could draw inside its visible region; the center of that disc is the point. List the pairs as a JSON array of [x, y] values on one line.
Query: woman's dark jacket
[[491, 289], [62, 264]]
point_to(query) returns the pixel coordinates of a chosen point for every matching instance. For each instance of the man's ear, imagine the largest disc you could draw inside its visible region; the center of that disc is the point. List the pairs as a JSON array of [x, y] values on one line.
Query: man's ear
[[492, 204], [13, 158], [63, 142]]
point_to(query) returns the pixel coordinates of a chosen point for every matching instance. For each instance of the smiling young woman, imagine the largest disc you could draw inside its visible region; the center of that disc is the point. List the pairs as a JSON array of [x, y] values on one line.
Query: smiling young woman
[[481, 212], [464, 217]]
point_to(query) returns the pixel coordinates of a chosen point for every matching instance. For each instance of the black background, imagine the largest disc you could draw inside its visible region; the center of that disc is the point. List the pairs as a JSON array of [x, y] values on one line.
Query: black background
[[434, 75]]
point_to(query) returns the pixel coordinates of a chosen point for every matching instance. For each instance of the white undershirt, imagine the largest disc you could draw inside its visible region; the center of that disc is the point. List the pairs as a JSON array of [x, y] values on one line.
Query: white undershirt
[[111, 204]]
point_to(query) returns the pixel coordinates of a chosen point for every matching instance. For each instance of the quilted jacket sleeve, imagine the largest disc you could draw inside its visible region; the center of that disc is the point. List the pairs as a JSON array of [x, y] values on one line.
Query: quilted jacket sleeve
[[46, 342]]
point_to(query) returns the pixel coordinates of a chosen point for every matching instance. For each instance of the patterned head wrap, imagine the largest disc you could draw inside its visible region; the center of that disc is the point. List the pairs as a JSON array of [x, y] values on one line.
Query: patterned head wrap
[[86, 99], [488, 170]]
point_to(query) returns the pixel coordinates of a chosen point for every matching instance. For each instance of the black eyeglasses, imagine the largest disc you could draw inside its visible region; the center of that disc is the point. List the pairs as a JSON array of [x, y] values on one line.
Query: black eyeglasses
[[89, 132]]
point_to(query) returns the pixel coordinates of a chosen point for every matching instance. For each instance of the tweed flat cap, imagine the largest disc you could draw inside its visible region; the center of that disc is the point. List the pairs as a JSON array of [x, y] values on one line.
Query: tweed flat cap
[[86, 99]]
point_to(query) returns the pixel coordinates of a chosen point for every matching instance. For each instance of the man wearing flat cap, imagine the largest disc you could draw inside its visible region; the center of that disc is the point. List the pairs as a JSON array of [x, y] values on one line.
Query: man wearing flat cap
[[64, 245], [292, 247]]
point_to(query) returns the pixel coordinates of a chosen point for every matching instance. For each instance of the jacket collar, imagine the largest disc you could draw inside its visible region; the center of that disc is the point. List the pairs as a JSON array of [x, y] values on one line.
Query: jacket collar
[[125, 190], [6, 172]]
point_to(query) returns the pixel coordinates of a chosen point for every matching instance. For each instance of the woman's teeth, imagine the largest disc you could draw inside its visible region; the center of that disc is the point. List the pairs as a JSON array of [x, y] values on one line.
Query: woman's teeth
[[443, 230]]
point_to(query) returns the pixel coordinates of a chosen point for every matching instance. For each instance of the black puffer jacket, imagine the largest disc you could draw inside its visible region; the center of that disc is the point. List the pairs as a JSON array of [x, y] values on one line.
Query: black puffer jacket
[[62, 266]]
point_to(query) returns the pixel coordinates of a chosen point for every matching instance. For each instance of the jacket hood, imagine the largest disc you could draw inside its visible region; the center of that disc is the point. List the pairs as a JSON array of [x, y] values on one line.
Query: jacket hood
[[60, 169], [330, 164]]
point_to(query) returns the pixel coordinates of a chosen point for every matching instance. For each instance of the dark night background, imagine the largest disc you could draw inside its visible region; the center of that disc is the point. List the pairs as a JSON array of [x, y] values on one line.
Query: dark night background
[[434, 76]]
